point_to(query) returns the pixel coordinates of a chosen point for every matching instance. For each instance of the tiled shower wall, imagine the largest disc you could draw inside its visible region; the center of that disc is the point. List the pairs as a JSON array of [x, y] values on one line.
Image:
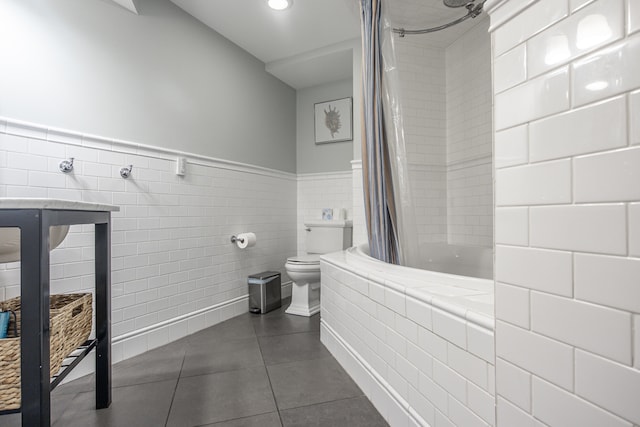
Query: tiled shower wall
[[172, 260], [469, 139], [446, 101], [567, 153], [421, 70]]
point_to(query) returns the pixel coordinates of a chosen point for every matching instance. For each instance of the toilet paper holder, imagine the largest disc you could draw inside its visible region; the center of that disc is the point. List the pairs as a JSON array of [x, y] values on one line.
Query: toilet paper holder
[[235, 239]]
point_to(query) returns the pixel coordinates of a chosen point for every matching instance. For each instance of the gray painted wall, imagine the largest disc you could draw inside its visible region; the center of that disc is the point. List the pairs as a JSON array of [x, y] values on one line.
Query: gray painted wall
[[312, 158], [161, 78]]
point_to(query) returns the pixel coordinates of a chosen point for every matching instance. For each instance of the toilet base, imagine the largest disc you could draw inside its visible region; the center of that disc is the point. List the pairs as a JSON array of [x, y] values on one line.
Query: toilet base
[[303, 311], [305, 299]]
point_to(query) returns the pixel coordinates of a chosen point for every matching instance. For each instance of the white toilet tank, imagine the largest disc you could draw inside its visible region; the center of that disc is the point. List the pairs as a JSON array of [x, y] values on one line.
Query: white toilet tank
[[328, 236]]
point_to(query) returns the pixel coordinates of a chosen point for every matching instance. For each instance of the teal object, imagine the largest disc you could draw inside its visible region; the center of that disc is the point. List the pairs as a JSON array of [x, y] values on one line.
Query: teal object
[[4, 323], [5, 318]]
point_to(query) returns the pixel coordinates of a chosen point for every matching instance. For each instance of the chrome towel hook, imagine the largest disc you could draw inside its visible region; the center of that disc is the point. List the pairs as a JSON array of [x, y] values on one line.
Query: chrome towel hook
[[66, 166], [125, 172]]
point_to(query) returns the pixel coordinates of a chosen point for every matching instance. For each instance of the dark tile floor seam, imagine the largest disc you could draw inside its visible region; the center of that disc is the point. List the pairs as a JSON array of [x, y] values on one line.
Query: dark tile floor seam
[[220, 372], [269, 378], [283, 335], [301, 360], [173, 396], [142, 382], [325, 402], [235, 419]]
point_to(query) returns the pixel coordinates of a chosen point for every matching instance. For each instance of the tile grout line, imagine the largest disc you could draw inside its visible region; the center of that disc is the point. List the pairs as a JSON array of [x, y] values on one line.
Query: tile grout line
[[267, 372], [232, 419], [328, 401], [184, 356]]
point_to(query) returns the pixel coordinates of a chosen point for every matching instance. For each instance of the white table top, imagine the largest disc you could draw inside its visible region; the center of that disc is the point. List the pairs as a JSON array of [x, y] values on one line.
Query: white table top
[[33, 203]]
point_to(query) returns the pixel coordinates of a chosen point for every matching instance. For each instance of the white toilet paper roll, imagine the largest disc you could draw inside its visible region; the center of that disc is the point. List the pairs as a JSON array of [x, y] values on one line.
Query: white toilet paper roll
[[246, 240]]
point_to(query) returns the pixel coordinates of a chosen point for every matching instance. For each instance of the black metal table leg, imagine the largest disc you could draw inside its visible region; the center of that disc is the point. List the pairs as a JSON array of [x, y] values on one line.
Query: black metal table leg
[[103, 314], [34, 330]]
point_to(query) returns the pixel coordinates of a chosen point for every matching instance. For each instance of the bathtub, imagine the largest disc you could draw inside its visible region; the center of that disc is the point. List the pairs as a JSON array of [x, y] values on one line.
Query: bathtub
[[473, 261], [419, 343]]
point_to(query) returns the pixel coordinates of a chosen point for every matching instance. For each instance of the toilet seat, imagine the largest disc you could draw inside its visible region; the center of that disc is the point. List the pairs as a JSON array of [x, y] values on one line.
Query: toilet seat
[[313, 259]]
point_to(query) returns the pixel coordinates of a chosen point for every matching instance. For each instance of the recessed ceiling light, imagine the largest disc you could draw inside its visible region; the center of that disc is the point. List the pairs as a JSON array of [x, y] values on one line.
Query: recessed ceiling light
[[279, 4]]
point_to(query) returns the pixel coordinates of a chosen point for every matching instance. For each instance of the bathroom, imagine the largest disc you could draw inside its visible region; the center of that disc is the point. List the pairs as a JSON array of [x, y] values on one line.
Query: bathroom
[[566, 352]]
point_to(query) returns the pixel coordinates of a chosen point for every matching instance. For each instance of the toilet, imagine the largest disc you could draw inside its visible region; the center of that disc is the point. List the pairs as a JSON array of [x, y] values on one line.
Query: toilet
[[322, 237]]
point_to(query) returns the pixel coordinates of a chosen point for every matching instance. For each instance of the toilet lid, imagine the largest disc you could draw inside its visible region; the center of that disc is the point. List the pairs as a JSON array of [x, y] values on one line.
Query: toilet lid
[[304, 259]]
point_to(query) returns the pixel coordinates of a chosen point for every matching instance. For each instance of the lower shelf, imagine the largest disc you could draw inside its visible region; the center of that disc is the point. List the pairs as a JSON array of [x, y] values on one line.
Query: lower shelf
[[70, 362]]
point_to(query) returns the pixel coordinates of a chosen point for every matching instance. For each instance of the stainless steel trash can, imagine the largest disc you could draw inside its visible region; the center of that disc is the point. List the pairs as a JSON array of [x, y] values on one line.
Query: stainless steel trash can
[[264, 292]]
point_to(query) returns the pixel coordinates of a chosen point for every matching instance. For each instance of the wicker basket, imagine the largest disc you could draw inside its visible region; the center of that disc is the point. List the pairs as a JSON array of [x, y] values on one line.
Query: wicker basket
[[70, 326]]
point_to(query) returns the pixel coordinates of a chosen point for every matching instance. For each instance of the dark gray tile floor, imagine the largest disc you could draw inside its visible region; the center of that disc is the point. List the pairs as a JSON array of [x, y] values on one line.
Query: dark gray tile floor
[[254, 370]]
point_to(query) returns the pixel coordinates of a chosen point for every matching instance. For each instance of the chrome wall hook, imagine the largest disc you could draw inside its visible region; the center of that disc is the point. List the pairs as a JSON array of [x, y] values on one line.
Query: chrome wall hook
[[66, 166], [125, 172]]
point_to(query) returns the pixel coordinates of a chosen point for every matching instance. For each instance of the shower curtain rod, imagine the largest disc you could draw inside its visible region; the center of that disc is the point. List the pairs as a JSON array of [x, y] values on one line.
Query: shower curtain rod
[[472, 12]]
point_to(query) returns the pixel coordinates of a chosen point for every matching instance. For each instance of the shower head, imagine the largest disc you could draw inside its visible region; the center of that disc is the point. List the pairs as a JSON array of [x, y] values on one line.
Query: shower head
[[456, 3]]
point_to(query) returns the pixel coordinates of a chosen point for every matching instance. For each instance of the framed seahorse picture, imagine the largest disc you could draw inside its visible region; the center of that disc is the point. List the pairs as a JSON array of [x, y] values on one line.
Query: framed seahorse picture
[[334, 121]]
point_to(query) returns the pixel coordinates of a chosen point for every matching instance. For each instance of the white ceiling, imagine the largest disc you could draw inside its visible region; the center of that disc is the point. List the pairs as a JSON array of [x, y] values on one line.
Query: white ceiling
[[272, 35], [311, 43]]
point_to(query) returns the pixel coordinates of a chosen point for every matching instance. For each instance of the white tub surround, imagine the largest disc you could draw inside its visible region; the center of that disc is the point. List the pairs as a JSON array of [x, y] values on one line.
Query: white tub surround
[[567, 75], [418, 343]]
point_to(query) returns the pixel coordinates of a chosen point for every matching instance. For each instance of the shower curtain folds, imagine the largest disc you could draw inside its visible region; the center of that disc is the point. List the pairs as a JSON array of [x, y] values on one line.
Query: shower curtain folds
[[380, 208]]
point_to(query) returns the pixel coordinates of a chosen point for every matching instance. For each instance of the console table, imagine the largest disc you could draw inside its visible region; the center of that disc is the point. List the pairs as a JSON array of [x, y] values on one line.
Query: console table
[[34, 217]]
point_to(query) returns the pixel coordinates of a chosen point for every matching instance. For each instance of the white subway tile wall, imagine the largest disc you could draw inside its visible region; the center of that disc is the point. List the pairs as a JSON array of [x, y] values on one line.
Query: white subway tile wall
[[551, 91], [595, 128], [469, 139], [607, 72], [634, 111], [538, 184], [422, 75], [510, 415], [171, 249], [511, 69], [633, 17], [512, 226], [575, 411], [449, 149], [567, 253], [511, 147], [634, 229], [561, 44], [620, 274], [512, 304], [528, 23], [604, 177], [322, 190], [514, 384]]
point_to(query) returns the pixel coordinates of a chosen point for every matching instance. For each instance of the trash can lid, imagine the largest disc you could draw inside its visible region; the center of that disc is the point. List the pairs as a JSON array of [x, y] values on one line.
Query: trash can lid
[[264, 275]]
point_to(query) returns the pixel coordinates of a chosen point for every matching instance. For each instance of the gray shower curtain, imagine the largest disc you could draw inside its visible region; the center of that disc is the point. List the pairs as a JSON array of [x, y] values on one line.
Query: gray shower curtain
[[379, 199]]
